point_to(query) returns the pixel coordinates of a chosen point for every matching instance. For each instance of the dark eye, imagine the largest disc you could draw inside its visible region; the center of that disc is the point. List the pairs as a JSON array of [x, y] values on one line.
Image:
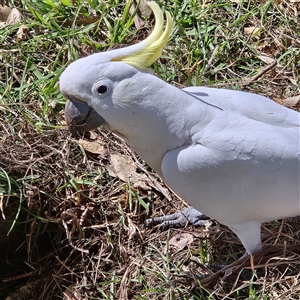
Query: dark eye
[[102, 89]]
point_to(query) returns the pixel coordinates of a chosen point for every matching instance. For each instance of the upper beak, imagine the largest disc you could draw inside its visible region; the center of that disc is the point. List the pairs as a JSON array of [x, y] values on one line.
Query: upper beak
[[80, 117]]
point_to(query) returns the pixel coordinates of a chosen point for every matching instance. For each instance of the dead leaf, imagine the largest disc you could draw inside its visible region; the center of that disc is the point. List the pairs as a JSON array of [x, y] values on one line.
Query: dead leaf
[[144, 10], [123, 167], [266, 59], [291, 101], [252, 30], [95, 147], [80, 20], [93, 135], [21, 33], [138, 22], [263, 46], [131, 229], [14, 17], [277, 100], [4, 13], [181, 240], [9, 16]]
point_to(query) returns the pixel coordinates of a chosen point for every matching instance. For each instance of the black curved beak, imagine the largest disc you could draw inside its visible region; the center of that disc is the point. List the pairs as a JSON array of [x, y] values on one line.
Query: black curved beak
[[81, 118]]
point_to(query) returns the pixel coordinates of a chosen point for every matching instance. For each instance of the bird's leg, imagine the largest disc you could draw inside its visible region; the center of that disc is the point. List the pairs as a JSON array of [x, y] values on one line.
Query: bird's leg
[[188, 216]]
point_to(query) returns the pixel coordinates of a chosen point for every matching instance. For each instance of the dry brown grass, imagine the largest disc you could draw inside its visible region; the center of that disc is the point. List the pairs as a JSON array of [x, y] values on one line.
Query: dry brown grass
[[88, 238]]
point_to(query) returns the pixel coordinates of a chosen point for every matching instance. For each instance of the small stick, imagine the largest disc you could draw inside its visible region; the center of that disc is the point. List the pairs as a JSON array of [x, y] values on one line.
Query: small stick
[[259, 74]]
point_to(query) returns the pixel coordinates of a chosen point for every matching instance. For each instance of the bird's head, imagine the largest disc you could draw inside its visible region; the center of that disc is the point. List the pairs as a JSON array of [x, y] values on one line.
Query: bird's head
[[95, 84]]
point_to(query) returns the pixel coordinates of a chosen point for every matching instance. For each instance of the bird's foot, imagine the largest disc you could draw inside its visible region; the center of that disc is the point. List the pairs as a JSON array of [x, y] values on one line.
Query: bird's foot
[[188, 216]]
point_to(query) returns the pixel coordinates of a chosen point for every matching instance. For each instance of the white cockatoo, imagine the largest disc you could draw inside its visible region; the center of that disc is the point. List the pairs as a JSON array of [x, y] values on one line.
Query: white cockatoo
[[233, 156]]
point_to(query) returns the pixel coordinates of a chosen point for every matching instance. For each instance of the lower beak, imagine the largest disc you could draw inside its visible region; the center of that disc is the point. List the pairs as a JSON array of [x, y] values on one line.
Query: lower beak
[[81, 118]]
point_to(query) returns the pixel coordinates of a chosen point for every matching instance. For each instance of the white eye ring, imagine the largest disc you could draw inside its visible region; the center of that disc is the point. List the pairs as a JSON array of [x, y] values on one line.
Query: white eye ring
[[103, 87]]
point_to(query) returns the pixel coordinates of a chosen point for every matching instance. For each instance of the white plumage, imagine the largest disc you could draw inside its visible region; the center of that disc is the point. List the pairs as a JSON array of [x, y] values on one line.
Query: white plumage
[[232, 155]]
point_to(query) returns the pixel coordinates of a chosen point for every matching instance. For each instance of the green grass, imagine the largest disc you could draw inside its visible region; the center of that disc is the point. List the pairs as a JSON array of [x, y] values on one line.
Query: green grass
[[68, 223]]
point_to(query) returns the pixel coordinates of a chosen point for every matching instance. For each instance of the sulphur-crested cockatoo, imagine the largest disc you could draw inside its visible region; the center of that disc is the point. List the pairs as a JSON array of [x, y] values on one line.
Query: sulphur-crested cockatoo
[[232, 155]]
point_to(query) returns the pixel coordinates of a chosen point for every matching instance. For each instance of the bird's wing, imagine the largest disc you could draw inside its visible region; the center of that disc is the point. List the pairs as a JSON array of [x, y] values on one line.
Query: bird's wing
[[251, 105], [253, 177]]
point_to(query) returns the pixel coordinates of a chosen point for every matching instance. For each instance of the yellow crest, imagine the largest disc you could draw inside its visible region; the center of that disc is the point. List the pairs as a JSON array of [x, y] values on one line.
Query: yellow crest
[[150, 49]]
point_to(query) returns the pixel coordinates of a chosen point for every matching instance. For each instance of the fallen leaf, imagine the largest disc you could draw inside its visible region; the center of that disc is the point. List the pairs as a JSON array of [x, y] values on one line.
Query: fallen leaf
[[123, 167], [80, 20], [4, 13], [262, 46], [291, 101], [181, 240], [144, 10], [266, 59], [9, 16], [138, 22], [252, 30], [14, 17], [21, 33], [93, 135], [277, 100], [95, 147], [132, 229]]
